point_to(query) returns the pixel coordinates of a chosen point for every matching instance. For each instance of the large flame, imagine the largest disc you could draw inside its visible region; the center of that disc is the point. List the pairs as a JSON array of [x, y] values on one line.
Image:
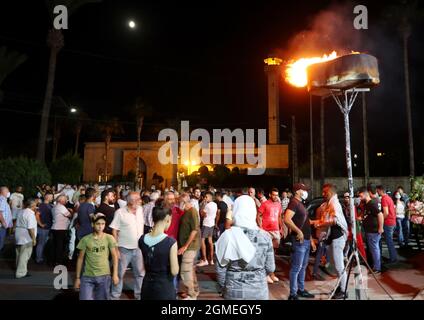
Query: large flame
[[296, 73]]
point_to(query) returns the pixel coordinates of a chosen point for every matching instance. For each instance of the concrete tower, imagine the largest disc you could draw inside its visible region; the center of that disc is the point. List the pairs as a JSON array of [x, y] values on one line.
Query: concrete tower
[[273, 70]]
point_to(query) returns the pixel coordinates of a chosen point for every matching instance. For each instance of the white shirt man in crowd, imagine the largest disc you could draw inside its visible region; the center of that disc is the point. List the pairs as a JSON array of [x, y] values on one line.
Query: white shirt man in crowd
[[252, 193], [261, 195], [25, 237], [284, 200], [16, 202], [61, 221], [209, 215], [226, 198], [338, 232], [5, 215], [69, 192], [127, 228], [147, 210]]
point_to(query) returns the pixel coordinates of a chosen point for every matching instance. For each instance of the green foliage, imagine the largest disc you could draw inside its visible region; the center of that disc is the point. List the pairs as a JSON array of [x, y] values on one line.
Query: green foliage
[[417, 192], [24, 172], [67, 169]]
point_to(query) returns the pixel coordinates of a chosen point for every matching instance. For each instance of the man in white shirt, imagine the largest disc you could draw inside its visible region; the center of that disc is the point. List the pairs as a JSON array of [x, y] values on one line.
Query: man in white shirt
[[148, 210], [209, 215], [5, 215], [61, 220], [69, 192], [252, 193], [16, 202], [127, 228], [261, 195], [285, 200], [227, 200], [25, 237]]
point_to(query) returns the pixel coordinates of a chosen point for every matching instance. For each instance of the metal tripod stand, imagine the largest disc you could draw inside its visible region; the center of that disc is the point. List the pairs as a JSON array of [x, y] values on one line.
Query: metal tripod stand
[[345, 103]]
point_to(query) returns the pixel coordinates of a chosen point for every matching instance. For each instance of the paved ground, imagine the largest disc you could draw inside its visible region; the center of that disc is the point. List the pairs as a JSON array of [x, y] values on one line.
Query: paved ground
[[405, 280]]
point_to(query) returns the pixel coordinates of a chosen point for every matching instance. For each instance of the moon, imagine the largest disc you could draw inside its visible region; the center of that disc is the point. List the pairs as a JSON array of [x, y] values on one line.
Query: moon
[[131, 24]]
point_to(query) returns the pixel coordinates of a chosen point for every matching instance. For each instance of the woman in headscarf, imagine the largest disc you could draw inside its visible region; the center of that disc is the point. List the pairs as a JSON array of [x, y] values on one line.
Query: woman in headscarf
[[245, 255]]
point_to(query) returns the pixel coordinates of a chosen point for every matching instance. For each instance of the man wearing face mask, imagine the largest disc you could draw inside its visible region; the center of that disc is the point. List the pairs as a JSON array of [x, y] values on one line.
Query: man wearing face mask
[[5, 215], [296, 218]]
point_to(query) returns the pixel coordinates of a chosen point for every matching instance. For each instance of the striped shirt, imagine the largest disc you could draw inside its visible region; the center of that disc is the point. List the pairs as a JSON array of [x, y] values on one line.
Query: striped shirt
[[6, 212]]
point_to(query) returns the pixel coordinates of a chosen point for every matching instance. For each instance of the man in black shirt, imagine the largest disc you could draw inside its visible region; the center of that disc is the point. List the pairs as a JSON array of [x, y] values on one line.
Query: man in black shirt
[[107, 207], [373, 226], [221, 214], [297, 219], [44, 221]]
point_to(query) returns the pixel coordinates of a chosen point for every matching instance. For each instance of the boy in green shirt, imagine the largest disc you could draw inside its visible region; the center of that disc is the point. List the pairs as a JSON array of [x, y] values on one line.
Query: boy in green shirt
[[94, 248]]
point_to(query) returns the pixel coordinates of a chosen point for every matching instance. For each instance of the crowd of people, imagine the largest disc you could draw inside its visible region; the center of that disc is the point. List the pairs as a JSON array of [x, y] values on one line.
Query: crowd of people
[[164, 236]]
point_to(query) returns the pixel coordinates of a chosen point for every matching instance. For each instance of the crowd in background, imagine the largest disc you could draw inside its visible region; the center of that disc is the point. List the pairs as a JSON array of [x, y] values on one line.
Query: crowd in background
[[163, 236]]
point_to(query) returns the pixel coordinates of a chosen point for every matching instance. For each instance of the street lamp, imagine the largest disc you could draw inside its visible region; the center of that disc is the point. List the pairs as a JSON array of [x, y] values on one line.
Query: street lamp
[[73, 110]]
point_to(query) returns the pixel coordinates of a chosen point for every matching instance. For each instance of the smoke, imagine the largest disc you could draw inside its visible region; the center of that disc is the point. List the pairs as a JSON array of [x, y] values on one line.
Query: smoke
[[330, 29]]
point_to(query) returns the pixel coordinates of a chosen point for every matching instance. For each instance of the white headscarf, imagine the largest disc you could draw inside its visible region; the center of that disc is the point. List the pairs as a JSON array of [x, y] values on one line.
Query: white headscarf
[[233, 244]]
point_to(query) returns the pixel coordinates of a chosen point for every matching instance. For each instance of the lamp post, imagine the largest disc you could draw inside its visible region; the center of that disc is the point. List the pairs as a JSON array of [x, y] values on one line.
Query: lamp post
[[311, 150]]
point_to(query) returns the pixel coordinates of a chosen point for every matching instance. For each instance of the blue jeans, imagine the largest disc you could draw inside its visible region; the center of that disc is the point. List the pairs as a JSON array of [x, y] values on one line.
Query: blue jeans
[[95, 288], [135, 257], [321, 251], [402, 225], [388, 235], [2, 237], [373, 240], [299, 262], [42, 238]]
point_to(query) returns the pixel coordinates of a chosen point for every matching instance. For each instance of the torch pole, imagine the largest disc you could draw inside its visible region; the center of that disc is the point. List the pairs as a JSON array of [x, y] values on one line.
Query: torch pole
[[345, 104], [346, 110], [311, 150]]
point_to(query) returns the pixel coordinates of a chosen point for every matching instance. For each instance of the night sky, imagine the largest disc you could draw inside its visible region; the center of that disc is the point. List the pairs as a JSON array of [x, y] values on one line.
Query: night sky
[[203, 62]]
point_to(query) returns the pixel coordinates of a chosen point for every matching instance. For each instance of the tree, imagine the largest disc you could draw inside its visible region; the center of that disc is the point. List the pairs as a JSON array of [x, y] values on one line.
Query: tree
[[109, 128], [67, 169], [78, 121], [174, 123], [9, 61], [24, 172], [403, 15], [55, 42]]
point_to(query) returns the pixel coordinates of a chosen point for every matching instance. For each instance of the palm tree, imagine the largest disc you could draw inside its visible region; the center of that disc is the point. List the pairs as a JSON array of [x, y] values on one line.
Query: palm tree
[[57, 132], [79, 121], [109, 128], [9, 61], [403, 15], [174, 123], [140, 112], [55, 42]]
